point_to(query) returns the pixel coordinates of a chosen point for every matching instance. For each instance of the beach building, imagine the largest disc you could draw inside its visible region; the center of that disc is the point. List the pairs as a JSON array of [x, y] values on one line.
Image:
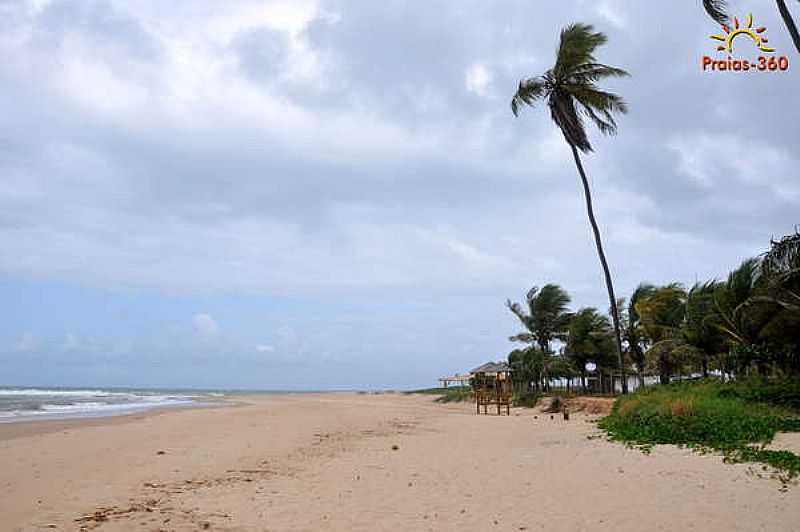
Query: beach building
[[459, 379]]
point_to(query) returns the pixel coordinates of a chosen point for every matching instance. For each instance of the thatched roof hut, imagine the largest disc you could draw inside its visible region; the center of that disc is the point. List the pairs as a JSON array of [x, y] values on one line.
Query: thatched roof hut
[[492, 368]]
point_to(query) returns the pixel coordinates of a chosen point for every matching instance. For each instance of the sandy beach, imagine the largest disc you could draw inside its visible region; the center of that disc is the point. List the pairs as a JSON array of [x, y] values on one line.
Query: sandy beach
[[348, 462]]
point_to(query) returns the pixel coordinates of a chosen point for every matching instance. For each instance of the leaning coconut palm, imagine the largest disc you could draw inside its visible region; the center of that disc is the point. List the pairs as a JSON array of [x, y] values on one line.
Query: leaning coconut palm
[[570, 91], [716, 9]]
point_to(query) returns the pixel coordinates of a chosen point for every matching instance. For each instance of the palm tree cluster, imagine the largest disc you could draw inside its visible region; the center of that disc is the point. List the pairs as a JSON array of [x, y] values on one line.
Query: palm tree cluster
[[583, 337], [747, 324], [546, 319]]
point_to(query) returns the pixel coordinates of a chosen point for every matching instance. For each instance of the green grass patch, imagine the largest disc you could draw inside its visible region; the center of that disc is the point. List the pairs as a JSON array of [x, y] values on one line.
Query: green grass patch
[[737, 419]]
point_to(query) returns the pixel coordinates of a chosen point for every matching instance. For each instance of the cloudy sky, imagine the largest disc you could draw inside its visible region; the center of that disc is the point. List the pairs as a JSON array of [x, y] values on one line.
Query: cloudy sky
[[312, 194]]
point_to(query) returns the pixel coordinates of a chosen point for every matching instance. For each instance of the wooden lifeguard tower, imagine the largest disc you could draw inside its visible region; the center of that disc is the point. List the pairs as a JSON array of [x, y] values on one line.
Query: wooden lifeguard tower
[[492, 385]]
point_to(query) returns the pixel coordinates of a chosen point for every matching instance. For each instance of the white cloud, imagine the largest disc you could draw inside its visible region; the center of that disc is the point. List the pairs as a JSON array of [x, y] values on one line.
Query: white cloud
[[376, 160], [477, 79], [205, 325], [720, 160], [612, 13]]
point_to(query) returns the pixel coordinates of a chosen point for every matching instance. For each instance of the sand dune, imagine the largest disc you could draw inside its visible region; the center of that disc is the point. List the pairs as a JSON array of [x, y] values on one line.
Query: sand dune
[[367, 462]]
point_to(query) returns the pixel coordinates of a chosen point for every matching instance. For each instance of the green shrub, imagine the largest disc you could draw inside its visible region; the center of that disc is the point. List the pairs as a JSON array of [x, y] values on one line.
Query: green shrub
[[452, 394], [456, 395], [783, 393], [707, 415], [527, 399]]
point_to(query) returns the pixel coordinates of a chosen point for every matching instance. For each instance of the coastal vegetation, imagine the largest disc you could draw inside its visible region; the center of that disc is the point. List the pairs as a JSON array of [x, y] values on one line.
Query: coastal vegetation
[[747, 325], [726, 354], [739, 335], [736, 418]]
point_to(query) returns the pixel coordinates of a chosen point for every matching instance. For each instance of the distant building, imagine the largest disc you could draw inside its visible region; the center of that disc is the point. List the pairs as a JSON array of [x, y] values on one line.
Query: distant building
[[492, 369]]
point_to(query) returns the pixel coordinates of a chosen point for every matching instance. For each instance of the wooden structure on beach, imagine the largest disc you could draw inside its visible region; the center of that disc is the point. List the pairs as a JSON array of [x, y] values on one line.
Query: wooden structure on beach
[[492, 385]]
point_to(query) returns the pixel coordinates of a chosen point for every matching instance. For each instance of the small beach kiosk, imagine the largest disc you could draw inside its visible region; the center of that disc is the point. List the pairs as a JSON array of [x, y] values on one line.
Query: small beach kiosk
[[492, 385], [459, 379]]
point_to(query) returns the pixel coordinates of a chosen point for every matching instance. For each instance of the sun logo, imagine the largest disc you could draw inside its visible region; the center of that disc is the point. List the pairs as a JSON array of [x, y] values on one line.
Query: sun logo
[[731, 34]]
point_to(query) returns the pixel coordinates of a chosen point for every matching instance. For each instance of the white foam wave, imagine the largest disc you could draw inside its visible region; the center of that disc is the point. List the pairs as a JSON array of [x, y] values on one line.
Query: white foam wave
[[56, 393], [132, 403]]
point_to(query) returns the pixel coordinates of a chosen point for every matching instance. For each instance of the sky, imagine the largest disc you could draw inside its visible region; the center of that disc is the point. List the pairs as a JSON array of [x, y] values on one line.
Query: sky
[[331, 195]]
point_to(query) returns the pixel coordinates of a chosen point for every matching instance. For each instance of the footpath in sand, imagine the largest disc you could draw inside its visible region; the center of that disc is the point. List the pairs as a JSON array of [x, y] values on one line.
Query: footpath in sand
[[350, 462]]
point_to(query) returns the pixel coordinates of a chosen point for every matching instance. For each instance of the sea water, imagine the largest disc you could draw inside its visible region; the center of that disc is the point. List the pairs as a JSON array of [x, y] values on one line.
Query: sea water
[[26, 404]]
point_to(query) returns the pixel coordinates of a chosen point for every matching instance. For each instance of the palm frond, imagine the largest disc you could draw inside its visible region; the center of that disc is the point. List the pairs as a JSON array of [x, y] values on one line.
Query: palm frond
[[716, 9], [577, 45], [566, 117], [603, 101], [642, 292], [528, 92], [518, 312], [525, 338], [599, 106], [607, 125], [591, 72], [572, 79]]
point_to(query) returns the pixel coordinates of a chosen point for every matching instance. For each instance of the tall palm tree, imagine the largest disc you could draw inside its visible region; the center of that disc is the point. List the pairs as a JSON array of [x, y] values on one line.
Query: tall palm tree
[[633, 332], [716, 9], [571, 93]]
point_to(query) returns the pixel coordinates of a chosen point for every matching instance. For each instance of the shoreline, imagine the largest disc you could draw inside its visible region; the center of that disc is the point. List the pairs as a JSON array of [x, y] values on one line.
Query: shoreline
[[26, 404], [21, 428], [357, 462]]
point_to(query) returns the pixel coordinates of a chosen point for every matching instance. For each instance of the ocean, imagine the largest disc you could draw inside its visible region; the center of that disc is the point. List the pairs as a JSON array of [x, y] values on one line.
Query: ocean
[[26, 404]]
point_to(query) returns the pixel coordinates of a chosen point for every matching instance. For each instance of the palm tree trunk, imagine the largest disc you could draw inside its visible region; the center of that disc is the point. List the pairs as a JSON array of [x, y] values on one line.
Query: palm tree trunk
[[789, 21], [609, 285]]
